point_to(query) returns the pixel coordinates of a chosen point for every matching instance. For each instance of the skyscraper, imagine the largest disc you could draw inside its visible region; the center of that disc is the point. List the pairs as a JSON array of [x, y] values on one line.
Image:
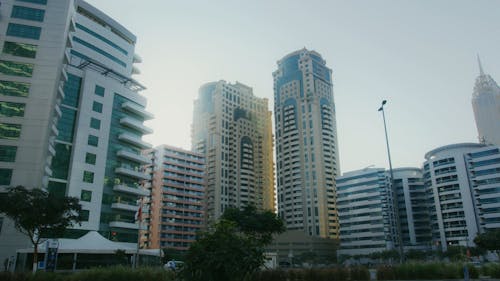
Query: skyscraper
[[306, 143], [232, 129], [486, 106], [80, 130]]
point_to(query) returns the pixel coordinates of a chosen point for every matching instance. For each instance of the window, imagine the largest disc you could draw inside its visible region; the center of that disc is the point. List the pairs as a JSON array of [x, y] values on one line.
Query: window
[[8, 153], [90, 158], [42, 2], [20, 49], [97, 107], [99, 90], [16, 68], [25, 13], [10, 131], [58, 189], [104, 39], [88, 177], [99, 51], [95, 123], [11, 109], [93, 140], [5, 176], [15, 89], [24, 31], [85, 215], [86, 196], [1, 223]]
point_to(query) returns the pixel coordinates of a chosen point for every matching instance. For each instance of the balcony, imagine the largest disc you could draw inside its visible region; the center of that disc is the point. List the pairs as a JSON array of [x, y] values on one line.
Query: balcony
[[131, 139], [131, 190], [134, 108], [133, 157], [125, 207], [121, 224], [136, 125], [132, 173]]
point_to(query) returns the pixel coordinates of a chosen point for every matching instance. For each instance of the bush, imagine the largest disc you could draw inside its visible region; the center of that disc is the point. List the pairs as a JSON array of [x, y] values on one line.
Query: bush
[[359, 273], [492, 270], [422, 271]]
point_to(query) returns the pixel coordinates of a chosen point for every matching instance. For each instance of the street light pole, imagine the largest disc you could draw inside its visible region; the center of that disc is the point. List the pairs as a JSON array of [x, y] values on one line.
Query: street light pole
[[393, 188]]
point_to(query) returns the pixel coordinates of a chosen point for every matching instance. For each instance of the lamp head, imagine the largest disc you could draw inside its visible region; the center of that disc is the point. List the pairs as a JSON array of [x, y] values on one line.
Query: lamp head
[[384, 102]]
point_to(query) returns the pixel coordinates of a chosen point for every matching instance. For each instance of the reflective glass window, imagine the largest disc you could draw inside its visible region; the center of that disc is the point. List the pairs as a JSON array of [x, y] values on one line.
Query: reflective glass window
[[8, 153], [24, 31], [95, 123], [10, 131], [16, 68], [11, 109], [5, 176], [88, 177], [25, 13], [97, 107], [15, 89], [20, 49], [90, 158]]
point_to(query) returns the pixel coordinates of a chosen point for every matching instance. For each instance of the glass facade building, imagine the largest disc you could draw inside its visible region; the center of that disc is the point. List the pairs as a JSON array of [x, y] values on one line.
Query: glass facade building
[[71, 113], [306, 144]]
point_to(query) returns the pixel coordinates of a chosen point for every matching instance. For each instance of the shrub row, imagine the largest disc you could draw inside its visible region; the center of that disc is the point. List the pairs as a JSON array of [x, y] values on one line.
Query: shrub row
[[118, 273], [330, 274], [491, 269], [429, 271]]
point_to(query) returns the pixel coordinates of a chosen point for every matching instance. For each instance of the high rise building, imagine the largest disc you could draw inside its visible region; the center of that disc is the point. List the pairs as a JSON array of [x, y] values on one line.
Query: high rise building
[[462, 181], [33, 61], [306, 144], [486, 106], [176, 209], [366, 214], [365, 203], [81, 127], [232, 129], [413, 208]]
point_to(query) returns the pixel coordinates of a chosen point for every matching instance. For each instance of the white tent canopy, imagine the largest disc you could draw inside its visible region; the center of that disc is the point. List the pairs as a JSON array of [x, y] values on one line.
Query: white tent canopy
[[93, 243]]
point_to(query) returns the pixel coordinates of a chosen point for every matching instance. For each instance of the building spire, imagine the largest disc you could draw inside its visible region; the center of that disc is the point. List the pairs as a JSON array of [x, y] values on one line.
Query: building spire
[[481, 72]]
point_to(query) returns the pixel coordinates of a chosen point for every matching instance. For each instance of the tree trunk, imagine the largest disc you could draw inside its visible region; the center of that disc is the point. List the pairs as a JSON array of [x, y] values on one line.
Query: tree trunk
[[35, 257]]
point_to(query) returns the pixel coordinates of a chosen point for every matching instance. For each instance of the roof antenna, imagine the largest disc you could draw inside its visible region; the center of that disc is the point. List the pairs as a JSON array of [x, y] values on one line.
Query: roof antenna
[[481, 72]]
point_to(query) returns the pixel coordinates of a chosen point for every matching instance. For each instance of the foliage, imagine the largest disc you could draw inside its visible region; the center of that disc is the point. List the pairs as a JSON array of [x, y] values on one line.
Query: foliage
[[422, 271], [36, 212], [385, 255], [259, 225], [234, 248], [314, 274], [490, 240], [492, 270], [98, 274], [416, 255]]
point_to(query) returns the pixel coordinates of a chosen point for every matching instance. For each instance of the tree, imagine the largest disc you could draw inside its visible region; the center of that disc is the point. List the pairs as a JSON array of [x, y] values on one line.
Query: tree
[[36, 212], [490, 240], [234, 248]]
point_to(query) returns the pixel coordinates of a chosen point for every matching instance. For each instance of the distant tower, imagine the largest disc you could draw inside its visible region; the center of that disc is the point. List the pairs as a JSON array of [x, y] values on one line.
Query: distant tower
[[306, 143], [486, 106], [232, 129]]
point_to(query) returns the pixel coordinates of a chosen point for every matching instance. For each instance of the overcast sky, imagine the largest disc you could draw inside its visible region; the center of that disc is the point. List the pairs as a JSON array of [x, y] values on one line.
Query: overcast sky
[[419, 55]]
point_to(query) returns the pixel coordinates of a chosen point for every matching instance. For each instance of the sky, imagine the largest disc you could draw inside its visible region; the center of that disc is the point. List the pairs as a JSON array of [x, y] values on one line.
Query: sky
[[420, 56]]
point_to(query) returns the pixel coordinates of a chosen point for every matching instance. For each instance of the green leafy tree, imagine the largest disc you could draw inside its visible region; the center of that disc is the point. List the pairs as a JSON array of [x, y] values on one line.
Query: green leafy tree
[[36, 212], [234, 248], [490, 240]]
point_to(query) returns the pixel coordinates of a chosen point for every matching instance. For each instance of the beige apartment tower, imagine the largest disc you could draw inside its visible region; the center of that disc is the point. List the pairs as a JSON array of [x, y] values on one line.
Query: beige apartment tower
[[306, 144], [232, 129]]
